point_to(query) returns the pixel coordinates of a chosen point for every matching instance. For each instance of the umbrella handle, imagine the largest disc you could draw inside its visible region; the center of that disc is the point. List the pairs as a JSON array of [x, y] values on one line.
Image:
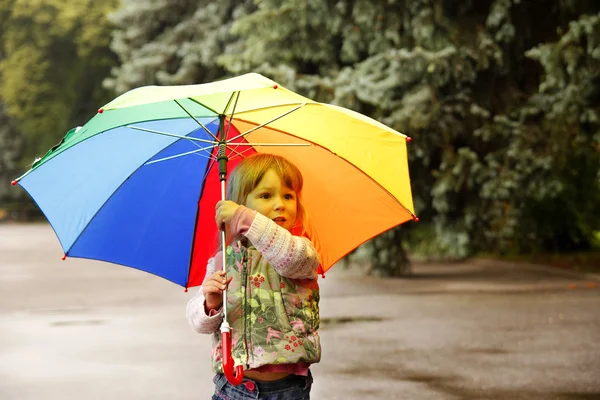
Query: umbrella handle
[[233, 378]]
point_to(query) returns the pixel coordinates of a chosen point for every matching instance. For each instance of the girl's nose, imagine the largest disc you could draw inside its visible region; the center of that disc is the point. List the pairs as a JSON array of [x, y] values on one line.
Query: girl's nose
[[278, 204]]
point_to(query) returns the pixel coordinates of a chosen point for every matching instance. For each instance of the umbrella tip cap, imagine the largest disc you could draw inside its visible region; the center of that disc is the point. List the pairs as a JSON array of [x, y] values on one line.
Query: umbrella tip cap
[[416, 218], [64, 257], [275, 86], [408, 139], [100, 110], [14, 183]]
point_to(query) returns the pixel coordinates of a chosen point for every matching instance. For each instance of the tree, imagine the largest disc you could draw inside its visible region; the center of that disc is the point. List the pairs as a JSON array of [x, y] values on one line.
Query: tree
[[54, 56], [11, 144], [171, 42], [488, 90], [569, 103], [454, 75]]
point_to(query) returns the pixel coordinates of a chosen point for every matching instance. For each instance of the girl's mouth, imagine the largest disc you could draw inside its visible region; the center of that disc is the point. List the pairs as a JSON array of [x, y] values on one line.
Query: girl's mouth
[[279, 220]]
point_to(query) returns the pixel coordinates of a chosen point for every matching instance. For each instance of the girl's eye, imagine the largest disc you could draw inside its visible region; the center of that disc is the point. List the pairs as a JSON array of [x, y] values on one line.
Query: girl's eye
[[265, 196], [289, 196]]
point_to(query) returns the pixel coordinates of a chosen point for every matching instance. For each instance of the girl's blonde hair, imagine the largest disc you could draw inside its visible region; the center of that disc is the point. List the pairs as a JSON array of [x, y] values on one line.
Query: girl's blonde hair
[[249, 172]]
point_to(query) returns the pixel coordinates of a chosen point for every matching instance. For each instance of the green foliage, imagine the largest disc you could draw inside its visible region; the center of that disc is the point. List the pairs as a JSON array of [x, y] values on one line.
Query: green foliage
[[569, 103], [501, 96], [54, 57], [171, 42], [430, 241], [389, 260], [11, 143]]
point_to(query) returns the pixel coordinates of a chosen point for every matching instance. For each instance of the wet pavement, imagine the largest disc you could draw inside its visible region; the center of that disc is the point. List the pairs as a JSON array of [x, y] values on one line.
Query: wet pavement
[[84, 329]]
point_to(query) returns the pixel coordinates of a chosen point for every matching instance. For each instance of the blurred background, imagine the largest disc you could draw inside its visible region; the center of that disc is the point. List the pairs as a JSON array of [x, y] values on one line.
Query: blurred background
[[500, 291], [501, 97]]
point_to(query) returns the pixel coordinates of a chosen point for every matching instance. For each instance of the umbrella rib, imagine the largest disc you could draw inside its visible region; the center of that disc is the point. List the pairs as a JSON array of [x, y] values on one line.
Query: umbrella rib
[[273, 144], [229, 102], [349, 162], [213, 160], [104, 204], [185, 154], [203, 105], [195, 119], [192, 139], [266, 123], [249, 147], [271, 107], [232, 113], [240, 153], [193, 246], [257, 144], [234, 149]]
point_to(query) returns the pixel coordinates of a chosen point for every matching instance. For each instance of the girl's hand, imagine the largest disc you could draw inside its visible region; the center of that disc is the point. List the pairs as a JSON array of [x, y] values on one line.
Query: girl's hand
[[224, 212], [212, 289]]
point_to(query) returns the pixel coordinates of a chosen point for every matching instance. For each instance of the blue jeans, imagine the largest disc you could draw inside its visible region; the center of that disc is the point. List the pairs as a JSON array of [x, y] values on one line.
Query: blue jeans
[[292, 387]]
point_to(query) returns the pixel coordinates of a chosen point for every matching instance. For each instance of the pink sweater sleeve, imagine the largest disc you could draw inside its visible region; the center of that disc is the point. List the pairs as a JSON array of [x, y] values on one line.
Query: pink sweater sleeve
[[196, 314], [292, 256]]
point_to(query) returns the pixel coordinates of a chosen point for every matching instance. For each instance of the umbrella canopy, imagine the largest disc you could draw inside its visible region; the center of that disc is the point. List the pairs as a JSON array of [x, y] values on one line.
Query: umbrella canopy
[[138, 183]]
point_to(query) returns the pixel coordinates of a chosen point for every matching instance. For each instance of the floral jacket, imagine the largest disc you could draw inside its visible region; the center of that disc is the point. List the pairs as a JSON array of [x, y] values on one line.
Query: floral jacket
[[274, 319]]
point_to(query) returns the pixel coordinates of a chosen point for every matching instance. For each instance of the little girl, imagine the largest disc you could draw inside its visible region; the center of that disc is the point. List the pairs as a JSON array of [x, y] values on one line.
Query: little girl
[[272, 291]]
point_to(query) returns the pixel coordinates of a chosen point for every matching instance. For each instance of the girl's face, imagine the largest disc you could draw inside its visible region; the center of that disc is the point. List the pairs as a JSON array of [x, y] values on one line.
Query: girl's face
[[274, 200]]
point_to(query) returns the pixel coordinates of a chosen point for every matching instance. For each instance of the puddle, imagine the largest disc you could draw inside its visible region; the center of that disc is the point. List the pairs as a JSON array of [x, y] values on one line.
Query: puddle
[[78, 323], [329, 322], [486, 351], [580, 396], [60, 310]]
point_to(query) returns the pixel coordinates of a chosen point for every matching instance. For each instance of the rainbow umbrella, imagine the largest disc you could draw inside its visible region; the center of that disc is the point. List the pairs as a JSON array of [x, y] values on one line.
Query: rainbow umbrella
[[138, 183]]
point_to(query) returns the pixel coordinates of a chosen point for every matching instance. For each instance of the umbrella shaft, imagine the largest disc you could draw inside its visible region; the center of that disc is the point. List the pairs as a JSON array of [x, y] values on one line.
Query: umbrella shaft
[[223, 248]]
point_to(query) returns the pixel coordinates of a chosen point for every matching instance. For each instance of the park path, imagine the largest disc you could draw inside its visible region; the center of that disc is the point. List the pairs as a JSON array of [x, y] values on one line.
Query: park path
[[81, 329]]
